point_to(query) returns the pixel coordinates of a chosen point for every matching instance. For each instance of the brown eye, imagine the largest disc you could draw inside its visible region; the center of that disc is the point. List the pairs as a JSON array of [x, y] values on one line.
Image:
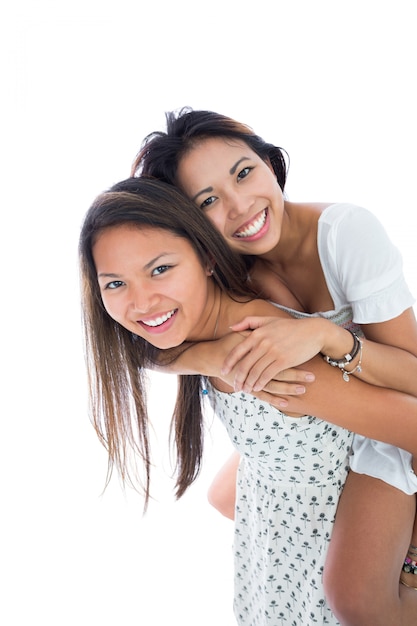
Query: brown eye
[[161, 269], [207, 202], [243, 173], [114, 284]]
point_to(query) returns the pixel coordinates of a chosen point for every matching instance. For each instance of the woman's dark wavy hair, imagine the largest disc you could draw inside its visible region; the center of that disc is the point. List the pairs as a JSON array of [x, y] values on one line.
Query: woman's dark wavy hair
[[117, 360], [161, 152]]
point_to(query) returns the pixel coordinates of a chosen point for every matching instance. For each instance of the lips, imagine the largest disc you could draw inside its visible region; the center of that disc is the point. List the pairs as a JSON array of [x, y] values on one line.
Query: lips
[[158, 321], [253, 227]]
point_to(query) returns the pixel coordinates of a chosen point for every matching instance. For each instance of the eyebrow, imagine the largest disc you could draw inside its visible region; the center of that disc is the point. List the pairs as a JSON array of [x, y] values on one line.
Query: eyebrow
[[206, 190], [234, 168], [146, 267], [231, 172], [104, 275]]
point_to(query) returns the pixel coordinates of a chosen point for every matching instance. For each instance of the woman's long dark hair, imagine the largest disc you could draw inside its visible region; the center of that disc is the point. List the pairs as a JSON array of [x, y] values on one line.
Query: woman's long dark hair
[[117, 360], [161, 152]]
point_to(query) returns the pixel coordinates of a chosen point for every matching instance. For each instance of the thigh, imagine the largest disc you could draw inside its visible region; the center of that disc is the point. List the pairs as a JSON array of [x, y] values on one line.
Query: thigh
[[371, 535], [222, 491]]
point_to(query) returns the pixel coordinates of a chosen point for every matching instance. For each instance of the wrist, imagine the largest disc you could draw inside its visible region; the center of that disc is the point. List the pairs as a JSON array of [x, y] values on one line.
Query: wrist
[[351, 360], [340, 345]]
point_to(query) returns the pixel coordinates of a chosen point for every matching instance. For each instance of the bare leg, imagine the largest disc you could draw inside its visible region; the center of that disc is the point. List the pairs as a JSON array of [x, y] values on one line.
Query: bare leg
[[222, 492], [371, 536]]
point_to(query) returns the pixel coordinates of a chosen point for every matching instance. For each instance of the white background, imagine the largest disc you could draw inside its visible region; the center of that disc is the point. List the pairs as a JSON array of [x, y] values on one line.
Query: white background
[[82, 83]]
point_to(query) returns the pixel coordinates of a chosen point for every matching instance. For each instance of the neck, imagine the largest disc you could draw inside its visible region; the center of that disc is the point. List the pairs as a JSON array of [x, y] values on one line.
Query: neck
[[226, 310], [210, 325], [286, 245], [295, 233], [219, 308]]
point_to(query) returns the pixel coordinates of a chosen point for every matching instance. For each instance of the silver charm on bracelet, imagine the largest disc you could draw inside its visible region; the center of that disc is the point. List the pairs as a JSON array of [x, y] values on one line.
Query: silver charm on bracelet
[[357, 369], [348, 358]]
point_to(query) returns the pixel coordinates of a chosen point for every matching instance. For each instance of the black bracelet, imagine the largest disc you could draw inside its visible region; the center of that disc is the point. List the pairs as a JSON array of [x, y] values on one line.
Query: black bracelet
[[341, 363]]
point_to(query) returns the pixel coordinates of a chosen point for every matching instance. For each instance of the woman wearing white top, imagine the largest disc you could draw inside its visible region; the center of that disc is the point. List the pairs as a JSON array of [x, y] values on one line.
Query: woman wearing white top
[[337, 263]]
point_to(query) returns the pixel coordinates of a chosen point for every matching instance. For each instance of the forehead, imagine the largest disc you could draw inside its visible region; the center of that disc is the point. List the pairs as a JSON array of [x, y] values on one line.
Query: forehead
[[210, 156], [130, 240], [219, 145]]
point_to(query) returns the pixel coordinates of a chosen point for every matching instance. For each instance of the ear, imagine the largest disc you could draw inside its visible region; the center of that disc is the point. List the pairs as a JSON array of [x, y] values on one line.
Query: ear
[[210, 266]]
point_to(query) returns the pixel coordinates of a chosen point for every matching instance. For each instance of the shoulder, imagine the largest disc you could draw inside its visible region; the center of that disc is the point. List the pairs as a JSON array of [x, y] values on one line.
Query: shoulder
[[346, 213], [353, 224], [306, 212], [263, 308], [361, 263]]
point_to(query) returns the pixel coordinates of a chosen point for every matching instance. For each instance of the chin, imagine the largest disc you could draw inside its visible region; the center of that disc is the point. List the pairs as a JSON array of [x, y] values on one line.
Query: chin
[[166, 345]]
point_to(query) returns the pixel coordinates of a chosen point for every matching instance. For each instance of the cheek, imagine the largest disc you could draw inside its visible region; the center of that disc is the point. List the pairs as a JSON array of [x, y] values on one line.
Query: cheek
[[236, 246], [111, 307], [217, 218], [195, 292]]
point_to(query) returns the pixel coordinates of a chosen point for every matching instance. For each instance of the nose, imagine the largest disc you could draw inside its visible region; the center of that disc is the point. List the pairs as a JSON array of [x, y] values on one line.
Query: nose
[[142, 297], [237, 204]]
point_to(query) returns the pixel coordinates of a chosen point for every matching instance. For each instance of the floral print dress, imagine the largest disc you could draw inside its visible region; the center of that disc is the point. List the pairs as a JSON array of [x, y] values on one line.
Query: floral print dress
[[290, 478]]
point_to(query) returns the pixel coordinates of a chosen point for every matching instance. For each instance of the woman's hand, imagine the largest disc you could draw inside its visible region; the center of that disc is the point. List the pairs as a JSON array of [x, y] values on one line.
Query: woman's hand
[[272, 349], [207, 358], [278, 393], [280, 383]]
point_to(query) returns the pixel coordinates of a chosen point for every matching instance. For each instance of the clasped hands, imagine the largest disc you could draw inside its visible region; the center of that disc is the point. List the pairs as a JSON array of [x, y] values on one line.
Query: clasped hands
[[265, 363]]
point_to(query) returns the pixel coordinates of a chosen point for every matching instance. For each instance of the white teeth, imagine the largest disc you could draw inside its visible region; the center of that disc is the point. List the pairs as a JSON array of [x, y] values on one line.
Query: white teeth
[[254, 228], [159, 320]]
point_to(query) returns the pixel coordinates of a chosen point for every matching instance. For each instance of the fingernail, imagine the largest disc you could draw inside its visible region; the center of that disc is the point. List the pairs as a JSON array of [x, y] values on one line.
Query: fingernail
[[283, 403], [300, 389], [310, 377]]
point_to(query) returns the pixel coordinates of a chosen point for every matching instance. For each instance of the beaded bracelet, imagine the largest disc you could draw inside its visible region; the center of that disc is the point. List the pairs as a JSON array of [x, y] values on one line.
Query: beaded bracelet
[[347, 357], [341, 363], [410, 567], [358, 368]]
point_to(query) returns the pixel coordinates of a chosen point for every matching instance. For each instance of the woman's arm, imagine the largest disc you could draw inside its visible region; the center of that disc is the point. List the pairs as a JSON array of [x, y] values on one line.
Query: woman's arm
[[282, 343], [207, 358], [376, 412], [389, 357]]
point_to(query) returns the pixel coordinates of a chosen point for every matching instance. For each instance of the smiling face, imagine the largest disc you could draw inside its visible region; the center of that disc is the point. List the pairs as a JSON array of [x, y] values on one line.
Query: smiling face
[[153, 283], [238, 191]]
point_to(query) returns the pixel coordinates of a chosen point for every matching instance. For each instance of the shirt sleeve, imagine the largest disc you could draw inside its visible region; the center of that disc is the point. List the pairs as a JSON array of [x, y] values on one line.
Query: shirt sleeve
[[362, 266]]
